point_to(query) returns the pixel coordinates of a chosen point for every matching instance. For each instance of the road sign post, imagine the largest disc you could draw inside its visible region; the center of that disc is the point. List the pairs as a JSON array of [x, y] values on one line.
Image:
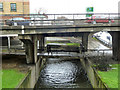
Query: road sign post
[[89, 10]]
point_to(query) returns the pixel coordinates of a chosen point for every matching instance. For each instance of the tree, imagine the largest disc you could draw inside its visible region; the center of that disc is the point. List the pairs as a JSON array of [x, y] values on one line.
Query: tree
[[40, 11]]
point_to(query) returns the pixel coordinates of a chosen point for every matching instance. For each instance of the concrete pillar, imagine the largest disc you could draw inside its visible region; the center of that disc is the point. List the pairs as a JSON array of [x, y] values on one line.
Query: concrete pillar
[[9, 44], [85, 40], [41, 43], [29, 49], [29, 53], [35, 48], [116, 44], [31, 46]]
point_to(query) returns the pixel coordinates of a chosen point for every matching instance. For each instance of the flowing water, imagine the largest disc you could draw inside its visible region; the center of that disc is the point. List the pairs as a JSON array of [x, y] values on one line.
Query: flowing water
[[60, 73]]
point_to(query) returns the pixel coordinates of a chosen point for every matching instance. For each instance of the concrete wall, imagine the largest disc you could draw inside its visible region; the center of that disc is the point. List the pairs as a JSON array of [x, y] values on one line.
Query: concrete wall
[[32, 76], [93, 76]]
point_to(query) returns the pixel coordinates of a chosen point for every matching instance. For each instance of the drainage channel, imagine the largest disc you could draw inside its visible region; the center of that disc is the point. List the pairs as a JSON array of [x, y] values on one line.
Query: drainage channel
[[63, 73]]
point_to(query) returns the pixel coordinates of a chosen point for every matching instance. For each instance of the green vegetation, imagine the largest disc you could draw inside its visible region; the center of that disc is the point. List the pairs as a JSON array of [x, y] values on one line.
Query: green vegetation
[[0, 79], [48, 42], [74, 44], [110, 77], [70, 44], [5, 50], [94, 38], [11, 78]]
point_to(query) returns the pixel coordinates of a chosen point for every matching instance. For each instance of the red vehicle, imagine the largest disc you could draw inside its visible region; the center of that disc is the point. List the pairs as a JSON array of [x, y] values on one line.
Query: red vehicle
[[98, 19]]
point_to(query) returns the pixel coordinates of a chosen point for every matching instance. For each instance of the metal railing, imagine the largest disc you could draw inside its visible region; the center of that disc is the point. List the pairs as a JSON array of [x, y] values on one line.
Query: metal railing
[[61, 19]]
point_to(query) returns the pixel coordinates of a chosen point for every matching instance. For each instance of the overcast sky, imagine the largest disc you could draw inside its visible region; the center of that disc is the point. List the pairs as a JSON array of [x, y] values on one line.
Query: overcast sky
[[74, 6]]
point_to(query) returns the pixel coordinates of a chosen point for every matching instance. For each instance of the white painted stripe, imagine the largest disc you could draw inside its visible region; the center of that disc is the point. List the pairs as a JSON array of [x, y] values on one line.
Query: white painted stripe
[[9, 35]]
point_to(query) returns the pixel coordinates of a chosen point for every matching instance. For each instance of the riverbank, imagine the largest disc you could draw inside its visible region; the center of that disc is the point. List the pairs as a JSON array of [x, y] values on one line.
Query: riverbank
[[110, 77], [107, 69], [111, 68]]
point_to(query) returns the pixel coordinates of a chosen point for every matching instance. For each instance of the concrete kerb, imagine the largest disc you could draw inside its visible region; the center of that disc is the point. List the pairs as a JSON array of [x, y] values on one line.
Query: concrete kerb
[[21, 82], [28, 81], [98, 76]]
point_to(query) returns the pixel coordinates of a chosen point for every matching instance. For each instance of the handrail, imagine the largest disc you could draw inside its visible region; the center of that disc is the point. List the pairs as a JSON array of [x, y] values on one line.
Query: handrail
[[62, 14], [60, 19]]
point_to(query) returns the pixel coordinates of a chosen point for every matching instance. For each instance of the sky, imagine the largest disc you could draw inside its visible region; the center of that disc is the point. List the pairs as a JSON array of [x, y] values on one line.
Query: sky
[[73, 6]]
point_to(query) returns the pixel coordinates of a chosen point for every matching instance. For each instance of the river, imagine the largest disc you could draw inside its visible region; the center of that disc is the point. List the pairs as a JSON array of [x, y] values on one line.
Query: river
[[62, 73]]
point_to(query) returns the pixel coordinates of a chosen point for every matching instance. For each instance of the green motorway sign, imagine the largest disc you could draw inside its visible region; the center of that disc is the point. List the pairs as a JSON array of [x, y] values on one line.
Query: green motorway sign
[[89, 15], [90, 9]]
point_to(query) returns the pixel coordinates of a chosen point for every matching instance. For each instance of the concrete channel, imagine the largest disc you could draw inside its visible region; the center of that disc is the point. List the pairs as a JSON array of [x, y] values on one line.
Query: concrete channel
[[33, 74]]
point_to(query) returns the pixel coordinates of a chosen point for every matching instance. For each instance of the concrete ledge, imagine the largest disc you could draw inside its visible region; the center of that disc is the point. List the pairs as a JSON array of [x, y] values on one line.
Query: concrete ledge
[[93, 76]]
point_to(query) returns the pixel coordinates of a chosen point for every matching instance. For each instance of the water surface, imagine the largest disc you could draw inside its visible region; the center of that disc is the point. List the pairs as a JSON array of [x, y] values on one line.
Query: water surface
[[60, 73]]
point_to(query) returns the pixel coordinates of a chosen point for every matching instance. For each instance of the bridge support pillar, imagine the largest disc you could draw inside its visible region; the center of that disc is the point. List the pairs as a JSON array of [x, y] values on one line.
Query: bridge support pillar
[[29, 53], [35, 40], [30, 48], [116, 45], [41, 43], [85, 41]]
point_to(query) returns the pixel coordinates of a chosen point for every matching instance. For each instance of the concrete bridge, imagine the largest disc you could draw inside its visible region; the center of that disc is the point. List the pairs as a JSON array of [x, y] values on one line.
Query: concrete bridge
[[55, 28], [51, 23], [30, 41], [30, 35], [33, 34]]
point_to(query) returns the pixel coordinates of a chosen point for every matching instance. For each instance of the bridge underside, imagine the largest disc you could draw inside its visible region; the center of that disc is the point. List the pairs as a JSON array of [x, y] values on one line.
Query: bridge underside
[[30, 41]]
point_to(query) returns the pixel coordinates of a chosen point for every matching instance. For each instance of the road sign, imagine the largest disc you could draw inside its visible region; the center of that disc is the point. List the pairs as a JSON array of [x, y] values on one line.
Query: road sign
[[90, 9], [89, 15]]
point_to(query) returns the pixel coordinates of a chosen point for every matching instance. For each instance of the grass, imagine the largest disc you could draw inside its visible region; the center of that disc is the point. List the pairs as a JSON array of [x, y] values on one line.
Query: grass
[[4, 50], [94, 38], [69, 44], [110, 77], [74, 44], [0, 79], [11, 78]]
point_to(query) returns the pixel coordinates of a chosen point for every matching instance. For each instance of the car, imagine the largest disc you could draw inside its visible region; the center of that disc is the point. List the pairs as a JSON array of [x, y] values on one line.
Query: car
[[98, 19], [17, 21]]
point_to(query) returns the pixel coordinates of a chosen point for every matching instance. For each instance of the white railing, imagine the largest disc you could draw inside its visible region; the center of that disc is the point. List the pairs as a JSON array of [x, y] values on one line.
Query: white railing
[[59, 19]]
